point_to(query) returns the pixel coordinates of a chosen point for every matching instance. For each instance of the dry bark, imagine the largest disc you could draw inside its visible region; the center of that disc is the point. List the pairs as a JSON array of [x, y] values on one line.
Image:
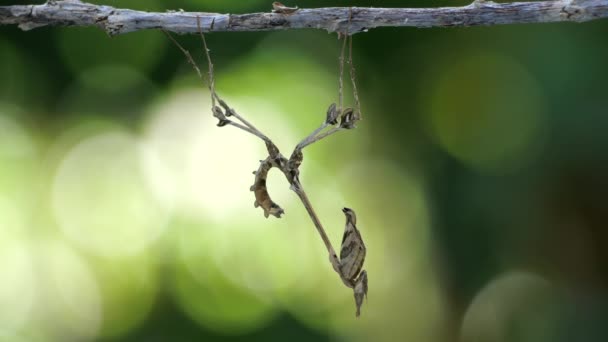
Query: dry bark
[[118, 21]]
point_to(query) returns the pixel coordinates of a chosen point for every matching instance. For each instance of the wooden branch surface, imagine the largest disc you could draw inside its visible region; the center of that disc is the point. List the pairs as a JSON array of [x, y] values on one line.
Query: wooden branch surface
[[481, 12]]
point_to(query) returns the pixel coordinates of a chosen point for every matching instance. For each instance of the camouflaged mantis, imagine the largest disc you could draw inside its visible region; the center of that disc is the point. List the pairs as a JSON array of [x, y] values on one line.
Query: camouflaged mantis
[[349, 265]]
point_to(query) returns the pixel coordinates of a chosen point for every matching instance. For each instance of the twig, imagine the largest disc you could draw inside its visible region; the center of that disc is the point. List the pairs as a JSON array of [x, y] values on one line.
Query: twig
[[333, 19]]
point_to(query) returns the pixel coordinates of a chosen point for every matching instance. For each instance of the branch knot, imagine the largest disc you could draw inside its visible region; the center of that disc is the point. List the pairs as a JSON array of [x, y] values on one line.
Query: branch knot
[[573, 12]]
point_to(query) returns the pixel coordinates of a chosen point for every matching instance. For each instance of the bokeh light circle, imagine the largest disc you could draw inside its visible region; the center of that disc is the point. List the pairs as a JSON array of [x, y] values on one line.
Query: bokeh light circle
[[15, 141], [128, 288], [69, 306], [18, 153], [13, 220], [514, 306], [221, 280], [210, 167], [11, 336], [103, 199], [18, 159], [486, 110], [201, 285], [17, 285]]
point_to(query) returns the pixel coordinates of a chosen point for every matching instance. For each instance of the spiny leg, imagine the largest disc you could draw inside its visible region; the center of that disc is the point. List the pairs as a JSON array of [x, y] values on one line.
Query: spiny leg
[[348, 116], [259, 187], [331, 119], [341, 77], [221, 115], [347, 121], [228, 111], [260, 191], [333, 113]]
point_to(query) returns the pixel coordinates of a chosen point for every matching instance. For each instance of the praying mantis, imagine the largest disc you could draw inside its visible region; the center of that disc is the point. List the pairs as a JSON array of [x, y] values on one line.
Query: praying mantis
[[353, 250]]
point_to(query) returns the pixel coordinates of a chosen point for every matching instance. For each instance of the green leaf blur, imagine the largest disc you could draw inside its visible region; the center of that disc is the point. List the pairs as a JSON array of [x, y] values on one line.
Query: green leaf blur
[[478, 174]]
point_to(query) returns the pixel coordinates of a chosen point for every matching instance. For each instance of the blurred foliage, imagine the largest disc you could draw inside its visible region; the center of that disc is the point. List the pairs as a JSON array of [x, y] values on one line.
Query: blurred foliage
[[478, 175]]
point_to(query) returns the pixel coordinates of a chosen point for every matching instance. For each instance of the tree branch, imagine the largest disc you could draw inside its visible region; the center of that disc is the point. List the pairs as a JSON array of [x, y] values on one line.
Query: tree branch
[[481, 12]]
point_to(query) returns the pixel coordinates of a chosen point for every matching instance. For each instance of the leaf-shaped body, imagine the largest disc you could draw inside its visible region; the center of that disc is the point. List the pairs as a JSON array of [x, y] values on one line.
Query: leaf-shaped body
[[352, 252]]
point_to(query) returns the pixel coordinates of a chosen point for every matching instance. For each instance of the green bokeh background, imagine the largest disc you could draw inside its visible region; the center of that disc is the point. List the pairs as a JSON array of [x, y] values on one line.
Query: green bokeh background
[[479, 176]]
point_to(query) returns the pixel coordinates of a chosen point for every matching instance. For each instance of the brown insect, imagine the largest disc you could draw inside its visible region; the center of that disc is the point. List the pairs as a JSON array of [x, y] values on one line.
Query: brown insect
[[352, 254]]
